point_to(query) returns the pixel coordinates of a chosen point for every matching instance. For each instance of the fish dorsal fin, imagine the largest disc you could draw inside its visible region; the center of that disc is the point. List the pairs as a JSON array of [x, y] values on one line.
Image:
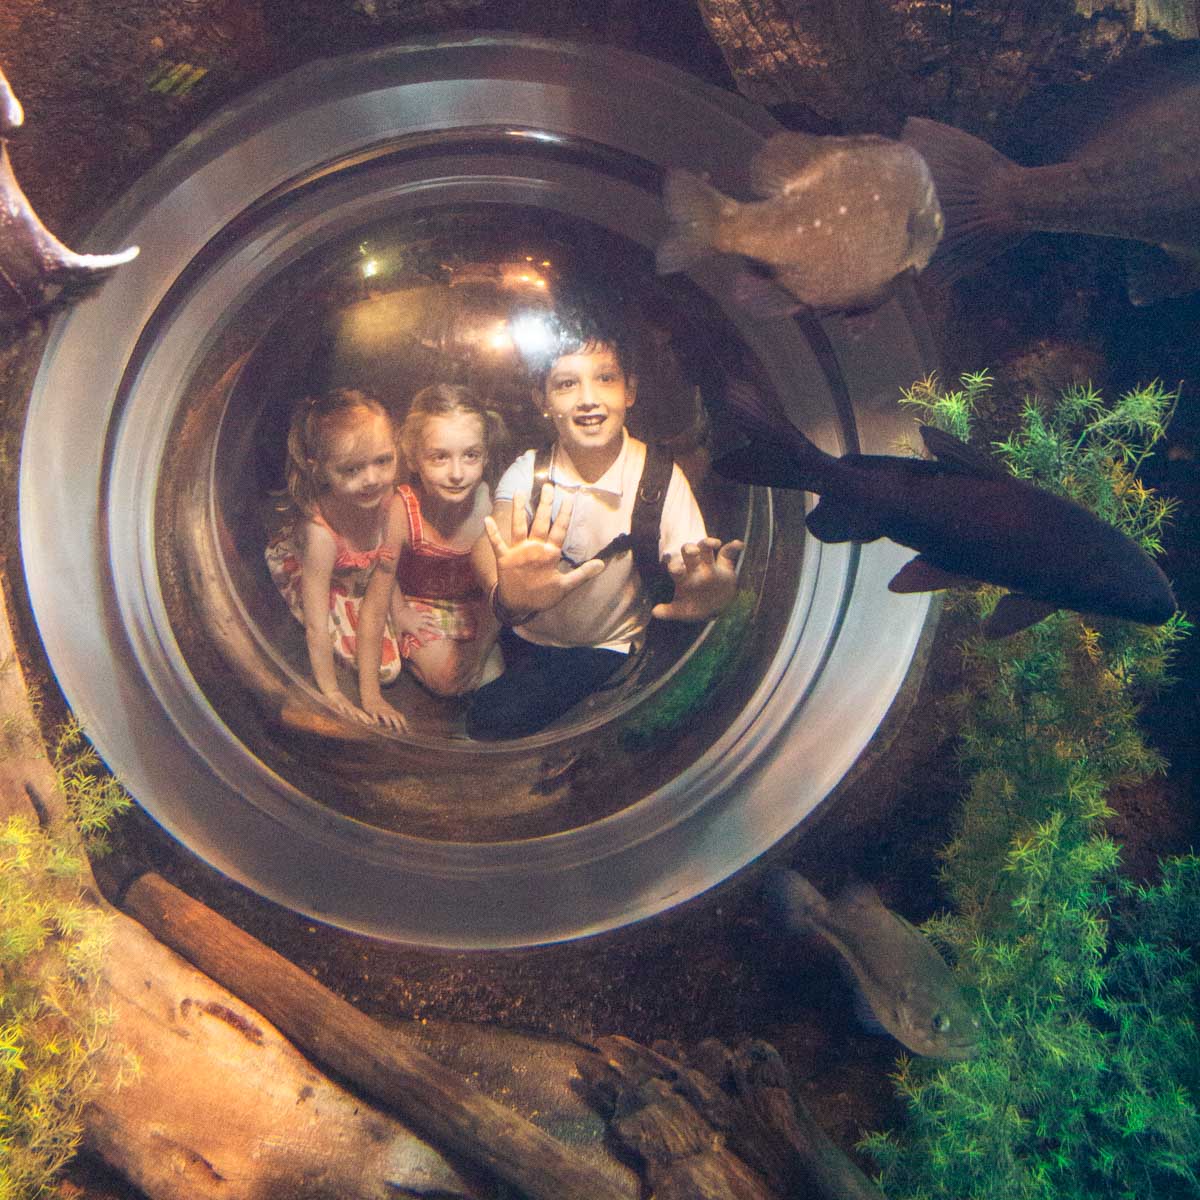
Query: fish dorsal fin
[[954, 453], [787, 162], [1015, 612]]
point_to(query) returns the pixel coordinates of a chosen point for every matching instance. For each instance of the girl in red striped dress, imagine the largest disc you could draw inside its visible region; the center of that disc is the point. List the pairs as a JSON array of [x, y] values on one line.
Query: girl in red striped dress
[[341, 473], [443, 621]]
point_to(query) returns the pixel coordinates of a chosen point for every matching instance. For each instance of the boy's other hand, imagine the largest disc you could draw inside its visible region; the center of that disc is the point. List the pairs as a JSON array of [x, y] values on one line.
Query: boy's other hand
[[705, 578], [528, 558]]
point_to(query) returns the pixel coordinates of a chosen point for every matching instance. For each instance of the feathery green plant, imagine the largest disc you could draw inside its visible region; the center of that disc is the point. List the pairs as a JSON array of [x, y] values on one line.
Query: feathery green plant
[[696, 683], [1087, 1083], [52, 943]]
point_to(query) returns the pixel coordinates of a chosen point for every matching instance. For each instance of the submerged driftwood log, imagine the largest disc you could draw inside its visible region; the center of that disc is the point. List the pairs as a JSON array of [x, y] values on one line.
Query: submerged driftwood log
[[727, 1128], [225, 1107], [864, 64], [437, 1102]]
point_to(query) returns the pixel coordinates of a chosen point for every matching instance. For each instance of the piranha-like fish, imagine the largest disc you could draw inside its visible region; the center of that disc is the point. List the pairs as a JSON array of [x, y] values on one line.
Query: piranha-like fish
[[839, 219], [32, 260], [1133, 171], [969, 519], [906, 983]]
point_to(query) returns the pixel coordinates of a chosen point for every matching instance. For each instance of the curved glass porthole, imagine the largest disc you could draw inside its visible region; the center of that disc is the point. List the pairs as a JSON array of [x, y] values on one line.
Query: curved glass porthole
[[384, 222]]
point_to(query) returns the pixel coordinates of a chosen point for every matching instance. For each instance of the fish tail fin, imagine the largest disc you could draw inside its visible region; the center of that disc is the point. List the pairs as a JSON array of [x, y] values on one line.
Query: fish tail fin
[[793, 900], [776, 453], [969, 176], [695, 208]]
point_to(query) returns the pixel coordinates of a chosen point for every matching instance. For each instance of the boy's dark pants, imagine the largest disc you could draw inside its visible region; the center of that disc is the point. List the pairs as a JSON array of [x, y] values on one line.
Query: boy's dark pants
[[539, 684]]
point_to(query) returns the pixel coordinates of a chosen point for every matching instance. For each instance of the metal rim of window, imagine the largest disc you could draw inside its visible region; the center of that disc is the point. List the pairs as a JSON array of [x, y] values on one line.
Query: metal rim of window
[[115, 372]]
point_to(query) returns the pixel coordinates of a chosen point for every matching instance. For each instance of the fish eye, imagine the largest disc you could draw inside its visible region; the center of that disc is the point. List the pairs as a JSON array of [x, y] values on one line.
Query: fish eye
[[941, 1022]]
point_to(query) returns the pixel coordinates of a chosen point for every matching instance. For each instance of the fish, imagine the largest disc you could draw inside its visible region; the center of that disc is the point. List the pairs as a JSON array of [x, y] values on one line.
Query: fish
[[32, 259], [968, 518], [1132, 171], [838, 220], [37, 272], [12, 116], [906, 983]]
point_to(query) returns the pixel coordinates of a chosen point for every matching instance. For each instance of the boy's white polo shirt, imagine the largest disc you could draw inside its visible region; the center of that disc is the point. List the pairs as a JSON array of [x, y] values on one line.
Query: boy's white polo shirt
[[609, 612]]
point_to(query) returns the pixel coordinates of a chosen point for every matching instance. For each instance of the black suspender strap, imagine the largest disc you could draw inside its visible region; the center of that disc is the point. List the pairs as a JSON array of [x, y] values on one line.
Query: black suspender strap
[[647, 521], [643, 536]]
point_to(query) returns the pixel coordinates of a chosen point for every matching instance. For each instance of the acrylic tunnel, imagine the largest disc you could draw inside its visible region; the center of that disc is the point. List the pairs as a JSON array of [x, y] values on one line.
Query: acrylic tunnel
[[383, 221]]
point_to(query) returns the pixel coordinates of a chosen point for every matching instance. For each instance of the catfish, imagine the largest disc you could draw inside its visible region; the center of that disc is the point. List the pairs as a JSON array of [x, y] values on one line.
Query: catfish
[[968, 518], [904, 981]]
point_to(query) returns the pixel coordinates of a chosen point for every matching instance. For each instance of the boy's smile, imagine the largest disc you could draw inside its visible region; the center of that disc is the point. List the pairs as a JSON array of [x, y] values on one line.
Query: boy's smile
[[587, 396]]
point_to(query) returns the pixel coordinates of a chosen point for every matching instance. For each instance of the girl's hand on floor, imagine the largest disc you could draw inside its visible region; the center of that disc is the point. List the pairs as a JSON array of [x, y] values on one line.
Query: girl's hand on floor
[[380, 712]]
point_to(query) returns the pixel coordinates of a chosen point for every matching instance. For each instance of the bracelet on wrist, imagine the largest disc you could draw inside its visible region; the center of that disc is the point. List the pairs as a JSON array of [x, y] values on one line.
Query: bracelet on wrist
[[503, 613]]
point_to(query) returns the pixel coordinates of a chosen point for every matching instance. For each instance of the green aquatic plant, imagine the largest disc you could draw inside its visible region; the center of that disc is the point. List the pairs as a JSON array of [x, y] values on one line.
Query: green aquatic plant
[[697, 681], [52, 944], [1087, 1081]]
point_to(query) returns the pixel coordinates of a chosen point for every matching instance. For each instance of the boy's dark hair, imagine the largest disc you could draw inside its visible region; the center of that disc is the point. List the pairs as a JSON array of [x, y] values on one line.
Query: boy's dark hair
[[575, 325]]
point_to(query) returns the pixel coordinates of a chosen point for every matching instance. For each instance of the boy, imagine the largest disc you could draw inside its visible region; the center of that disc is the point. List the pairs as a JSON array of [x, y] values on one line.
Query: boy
[[571, 618]]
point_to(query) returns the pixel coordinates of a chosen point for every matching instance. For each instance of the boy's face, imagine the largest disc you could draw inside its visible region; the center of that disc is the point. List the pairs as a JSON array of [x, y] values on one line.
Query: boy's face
[[587, 395]]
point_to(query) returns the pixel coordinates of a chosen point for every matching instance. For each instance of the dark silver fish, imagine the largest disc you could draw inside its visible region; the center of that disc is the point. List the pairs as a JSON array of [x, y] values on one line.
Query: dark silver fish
[[32, 259], [839, 218], [905, 981], [968, 518], [1133, 172]]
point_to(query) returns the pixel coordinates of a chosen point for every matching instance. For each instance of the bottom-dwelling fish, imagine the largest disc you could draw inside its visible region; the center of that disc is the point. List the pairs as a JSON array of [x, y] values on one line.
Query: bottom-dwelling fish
[[906, 983], [968, 518]]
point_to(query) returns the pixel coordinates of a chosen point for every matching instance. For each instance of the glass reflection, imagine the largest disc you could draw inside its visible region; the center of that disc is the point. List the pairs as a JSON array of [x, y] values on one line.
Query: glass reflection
[[464, 301]]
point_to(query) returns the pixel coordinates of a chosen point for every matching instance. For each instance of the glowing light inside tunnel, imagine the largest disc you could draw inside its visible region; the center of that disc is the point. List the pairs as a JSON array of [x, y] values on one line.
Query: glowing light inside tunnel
[[531, 334]]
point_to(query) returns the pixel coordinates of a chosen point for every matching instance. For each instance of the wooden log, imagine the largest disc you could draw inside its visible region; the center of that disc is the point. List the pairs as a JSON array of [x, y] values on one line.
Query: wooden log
[[435, 1102], [672, 1121], [865, 64], [223, 1108], [812, 1162]]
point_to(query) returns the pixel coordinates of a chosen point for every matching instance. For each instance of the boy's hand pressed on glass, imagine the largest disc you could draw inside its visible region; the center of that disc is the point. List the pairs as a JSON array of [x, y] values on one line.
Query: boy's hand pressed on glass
[[529, 557], [705, 578]]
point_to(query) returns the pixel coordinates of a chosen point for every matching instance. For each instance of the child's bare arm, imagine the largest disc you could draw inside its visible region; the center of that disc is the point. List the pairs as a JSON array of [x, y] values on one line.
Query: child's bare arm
[[319, 553], [380, 597]]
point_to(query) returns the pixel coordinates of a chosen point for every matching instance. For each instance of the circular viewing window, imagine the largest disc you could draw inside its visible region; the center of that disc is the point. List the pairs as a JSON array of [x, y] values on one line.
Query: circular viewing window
[[384, 222]]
